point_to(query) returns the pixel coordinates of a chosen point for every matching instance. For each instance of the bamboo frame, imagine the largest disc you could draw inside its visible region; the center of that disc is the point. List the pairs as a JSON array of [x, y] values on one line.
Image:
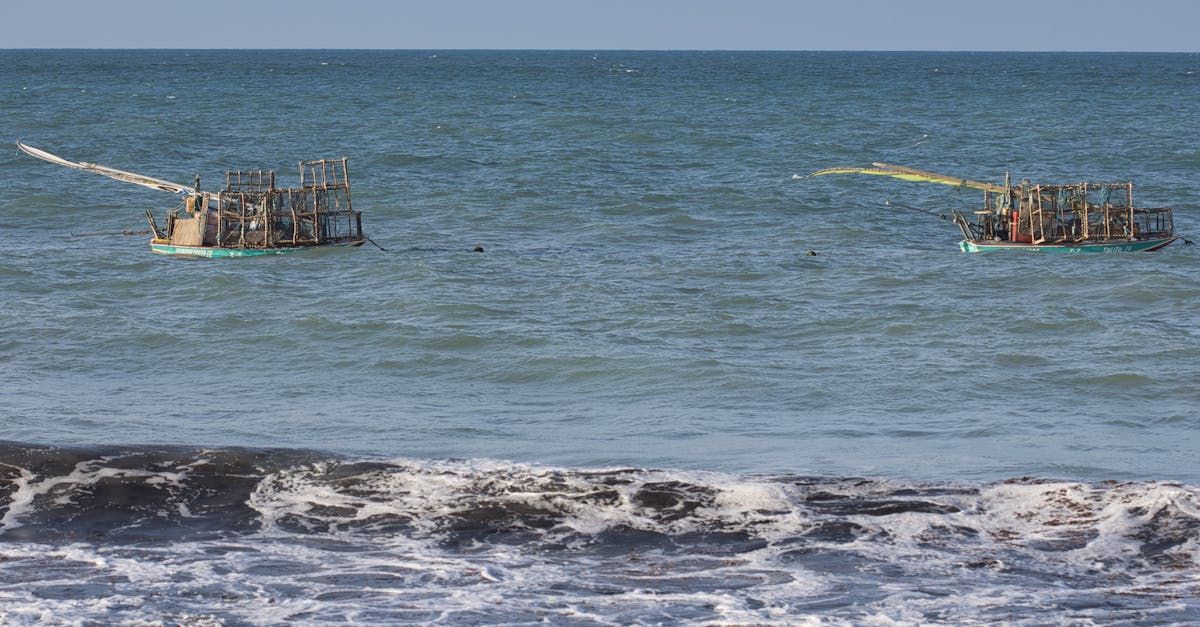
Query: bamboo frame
[[1068, 213], [251, 212]]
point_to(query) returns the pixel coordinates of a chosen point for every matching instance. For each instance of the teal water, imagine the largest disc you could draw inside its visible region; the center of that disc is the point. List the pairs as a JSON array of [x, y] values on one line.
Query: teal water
[[644, 298]]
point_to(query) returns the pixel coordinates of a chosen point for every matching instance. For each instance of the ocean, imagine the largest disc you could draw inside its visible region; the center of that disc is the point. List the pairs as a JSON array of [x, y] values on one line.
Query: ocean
[[681, 382]]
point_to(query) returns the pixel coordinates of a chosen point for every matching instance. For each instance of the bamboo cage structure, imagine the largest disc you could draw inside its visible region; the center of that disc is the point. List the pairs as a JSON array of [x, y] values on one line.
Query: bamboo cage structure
[[1065, 214], [1071, 218], [252, 213]]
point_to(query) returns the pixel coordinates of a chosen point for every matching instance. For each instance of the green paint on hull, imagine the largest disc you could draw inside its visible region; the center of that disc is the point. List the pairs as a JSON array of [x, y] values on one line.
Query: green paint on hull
[[216, 253], [222, 253], [973, 246]]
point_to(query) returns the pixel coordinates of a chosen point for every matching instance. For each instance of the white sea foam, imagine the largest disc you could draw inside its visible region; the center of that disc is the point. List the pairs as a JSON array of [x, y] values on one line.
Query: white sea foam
[[463, 541], [86, 473]]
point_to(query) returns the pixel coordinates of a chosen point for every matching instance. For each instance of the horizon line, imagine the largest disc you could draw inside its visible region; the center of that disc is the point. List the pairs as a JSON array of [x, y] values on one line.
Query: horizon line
[[369, 49]]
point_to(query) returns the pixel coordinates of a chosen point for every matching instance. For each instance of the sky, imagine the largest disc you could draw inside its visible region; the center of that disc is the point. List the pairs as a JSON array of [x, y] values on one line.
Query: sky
[[1083, 25]]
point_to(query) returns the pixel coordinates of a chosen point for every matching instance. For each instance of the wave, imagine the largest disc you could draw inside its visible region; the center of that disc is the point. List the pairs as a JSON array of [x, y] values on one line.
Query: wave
[[635, 545], [117, 493]]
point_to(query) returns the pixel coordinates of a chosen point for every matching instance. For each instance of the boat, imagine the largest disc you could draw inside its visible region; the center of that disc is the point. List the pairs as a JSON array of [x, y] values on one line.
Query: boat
[[250, 216], [1067, 218]]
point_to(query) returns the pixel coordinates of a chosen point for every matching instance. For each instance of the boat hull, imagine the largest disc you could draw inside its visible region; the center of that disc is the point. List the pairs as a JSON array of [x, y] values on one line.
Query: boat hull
[[210, 252], [978, 246]]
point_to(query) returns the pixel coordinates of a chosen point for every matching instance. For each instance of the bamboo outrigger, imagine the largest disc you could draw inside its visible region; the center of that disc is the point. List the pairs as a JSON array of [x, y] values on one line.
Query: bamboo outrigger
[[250, 216], [1071, 218]]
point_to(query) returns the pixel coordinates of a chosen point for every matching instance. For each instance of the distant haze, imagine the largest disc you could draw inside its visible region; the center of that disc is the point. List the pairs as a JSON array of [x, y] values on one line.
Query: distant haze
[[1100, 25]]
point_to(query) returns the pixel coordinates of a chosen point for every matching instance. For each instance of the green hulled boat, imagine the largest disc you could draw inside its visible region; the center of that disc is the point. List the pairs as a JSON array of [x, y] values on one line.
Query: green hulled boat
[[1149, 245], [1070, 218], [250, 216], [211, 252]]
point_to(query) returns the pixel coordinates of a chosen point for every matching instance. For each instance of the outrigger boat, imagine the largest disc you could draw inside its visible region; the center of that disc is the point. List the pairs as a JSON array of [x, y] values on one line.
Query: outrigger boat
[[1071, 218], [250, 216]]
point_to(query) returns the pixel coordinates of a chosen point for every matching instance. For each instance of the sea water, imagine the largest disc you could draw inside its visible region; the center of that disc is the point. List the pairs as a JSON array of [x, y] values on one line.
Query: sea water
[[644, 401]]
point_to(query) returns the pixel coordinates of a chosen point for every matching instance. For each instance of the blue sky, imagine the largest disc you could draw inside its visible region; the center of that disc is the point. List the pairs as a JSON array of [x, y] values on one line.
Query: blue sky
[[1103, 25]]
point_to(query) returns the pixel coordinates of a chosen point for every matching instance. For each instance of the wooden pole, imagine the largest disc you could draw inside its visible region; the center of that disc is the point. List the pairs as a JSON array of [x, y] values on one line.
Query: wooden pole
[[1085, 211], [1129, 222]]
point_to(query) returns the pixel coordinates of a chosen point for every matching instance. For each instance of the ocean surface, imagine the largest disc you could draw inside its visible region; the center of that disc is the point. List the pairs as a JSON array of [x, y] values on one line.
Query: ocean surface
[[644, 402]]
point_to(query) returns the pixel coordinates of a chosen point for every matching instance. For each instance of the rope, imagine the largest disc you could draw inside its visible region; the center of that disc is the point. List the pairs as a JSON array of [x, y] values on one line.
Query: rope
[[122, 232]]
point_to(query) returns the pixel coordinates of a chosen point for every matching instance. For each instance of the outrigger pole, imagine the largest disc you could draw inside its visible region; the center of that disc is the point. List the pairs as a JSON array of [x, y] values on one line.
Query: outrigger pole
[[112, 173], [912, 174]]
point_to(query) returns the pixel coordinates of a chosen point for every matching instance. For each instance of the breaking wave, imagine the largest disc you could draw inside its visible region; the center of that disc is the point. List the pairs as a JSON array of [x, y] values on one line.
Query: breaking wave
[[127, 533]]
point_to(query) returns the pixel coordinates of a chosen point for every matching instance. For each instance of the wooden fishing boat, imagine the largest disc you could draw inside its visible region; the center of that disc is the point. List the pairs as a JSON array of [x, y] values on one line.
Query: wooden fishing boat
[[1070, 218], [250, 216]]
